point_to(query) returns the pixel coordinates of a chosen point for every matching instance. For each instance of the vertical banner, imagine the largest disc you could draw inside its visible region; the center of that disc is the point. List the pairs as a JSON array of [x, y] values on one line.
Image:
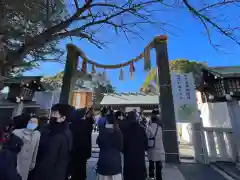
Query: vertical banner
[[184, 97]]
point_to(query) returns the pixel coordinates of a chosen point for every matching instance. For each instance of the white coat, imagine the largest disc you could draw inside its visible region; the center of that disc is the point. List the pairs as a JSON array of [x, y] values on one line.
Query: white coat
[[27, 156], [157, 153]]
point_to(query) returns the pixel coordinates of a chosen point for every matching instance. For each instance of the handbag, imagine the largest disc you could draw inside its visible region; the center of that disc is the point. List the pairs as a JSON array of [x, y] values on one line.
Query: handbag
[[151, 140]]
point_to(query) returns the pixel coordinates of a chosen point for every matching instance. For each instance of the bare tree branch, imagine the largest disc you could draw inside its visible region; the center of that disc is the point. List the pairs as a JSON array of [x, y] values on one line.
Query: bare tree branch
[[219, 4], [35, 36], [76, 4], [206, 20]]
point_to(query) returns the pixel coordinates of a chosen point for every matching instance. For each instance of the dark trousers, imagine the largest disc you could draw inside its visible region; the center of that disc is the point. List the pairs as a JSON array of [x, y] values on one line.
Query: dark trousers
[[155, 169], [78, 170]]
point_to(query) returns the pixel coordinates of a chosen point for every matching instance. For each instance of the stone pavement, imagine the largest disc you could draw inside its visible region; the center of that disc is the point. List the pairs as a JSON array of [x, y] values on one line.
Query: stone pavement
[[191, 171], [169, 172], [229, 168], [184, 171]]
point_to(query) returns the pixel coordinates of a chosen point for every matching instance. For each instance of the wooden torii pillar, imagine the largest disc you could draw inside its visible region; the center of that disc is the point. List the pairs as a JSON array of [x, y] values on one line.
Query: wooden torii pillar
[[166, 101], [70, 71]]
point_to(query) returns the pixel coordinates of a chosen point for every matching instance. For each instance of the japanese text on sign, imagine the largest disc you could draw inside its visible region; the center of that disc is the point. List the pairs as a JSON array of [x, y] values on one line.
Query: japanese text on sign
[[187, 88], [179, 86]]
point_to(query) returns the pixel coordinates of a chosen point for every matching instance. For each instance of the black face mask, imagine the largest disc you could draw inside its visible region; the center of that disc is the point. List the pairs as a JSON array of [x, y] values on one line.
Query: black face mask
[[53, 120]]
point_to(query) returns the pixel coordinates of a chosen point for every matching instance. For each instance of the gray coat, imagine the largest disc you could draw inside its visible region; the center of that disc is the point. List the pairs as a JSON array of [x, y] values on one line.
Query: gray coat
[[27, 157], [156, 153]]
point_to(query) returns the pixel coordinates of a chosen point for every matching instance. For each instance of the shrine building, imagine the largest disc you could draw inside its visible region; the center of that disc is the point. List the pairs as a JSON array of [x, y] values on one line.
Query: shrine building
[[129, 101]]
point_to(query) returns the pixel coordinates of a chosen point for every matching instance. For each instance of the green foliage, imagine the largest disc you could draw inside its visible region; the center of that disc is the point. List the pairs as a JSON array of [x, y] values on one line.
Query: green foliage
[[100, 89], [179, 66], [22, 21], [54, 82]]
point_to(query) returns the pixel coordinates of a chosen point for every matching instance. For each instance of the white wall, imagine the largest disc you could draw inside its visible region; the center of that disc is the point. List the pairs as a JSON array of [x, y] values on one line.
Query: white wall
[[215, 115], [212, 115], [47, 99]]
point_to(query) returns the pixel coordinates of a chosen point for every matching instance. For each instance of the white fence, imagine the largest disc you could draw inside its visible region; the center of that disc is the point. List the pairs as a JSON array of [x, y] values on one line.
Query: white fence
[[219, 144]]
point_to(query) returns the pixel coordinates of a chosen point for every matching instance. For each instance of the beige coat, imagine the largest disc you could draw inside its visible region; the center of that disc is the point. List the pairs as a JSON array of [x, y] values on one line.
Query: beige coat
[[27, 156], [156, 153]]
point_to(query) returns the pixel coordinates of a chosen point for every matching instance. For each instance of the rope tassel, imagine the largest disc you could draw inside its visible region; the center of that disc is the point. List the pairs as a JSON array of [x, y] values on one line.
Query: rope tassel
[[84, 66], [132, 70], [104, 75], [147, 59], [121, 76], [93, 69]]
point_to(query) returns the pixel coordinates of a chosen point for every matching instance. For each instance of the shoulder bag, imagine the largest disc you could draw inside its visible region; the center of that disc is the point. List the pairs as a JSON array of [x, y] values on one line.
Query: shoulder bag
[[151, 140]]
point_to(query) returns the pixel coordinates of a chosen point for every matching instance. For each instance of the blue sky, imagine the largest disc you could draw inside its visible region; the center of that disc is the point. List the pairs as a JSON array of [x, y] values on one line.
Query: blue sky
[[187, 41]]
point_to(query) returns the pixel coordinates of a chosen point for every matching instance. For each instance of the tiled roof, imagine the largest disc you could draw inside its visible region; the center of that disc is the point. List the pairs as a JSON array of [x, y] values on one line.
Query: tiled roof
[[25, 79], [225, 71], [130, 98]]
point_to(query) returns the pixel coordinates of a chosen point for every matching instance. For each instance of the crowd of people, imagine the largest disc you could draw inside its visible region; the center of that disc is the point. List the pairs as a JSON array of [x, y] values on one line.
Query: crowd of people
[[58, 148]]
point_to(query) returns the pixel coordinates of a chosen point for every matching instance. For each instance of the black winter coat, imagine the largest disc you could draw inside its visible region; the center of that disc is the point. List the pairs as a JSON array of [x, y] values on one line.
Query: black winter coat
[[54, 153], [82, 138], [134, 147], [8, 160], [110, 144]]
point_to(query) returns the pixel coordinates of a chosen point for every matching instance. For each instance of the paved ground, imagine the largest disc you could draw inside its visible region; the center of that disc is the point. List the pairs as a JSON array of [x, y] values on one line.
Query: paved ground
[[169, 173], [199, 172], [184, 171], [229, 168]]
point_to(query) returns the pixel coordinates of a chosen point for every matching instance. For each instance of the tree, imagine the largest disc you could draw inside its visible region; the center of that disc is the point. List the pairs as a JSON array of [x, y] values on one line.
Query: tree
[[100, 90], [179, 66], [30, 29], [54, 82], [21, 21]]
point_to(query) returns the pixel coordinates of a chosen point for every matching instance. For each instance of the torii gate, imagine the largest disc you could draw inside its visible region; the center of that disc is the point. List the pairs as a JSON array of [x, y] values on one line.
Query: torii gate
[[166, 98]]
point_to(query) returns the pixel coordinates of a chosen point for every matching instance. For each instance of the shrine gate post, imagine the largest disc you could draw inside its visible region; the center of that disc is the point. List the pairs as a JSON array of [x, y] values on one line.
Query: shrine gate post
[[166, 101], [69, 74]]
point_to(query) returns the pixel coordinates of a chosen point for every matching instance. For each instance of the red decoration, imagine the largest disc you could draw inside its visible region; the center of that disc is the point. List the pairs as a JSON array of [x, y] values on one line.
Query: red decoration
[[132, 70], [84, 66]]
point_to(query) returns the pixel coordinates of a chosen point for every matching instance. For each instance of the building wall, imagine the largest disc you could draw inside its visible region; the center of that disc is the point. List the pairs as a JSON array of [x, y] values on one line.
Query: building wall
[[215, 115], [82, 99]]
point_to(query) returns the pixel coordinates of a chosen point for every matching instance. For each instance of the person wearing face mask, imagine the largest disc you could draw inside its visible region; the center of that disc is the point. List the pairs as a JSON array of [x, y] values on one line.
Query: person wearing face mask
[[155, 152], [27, 157], [55, 146]]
